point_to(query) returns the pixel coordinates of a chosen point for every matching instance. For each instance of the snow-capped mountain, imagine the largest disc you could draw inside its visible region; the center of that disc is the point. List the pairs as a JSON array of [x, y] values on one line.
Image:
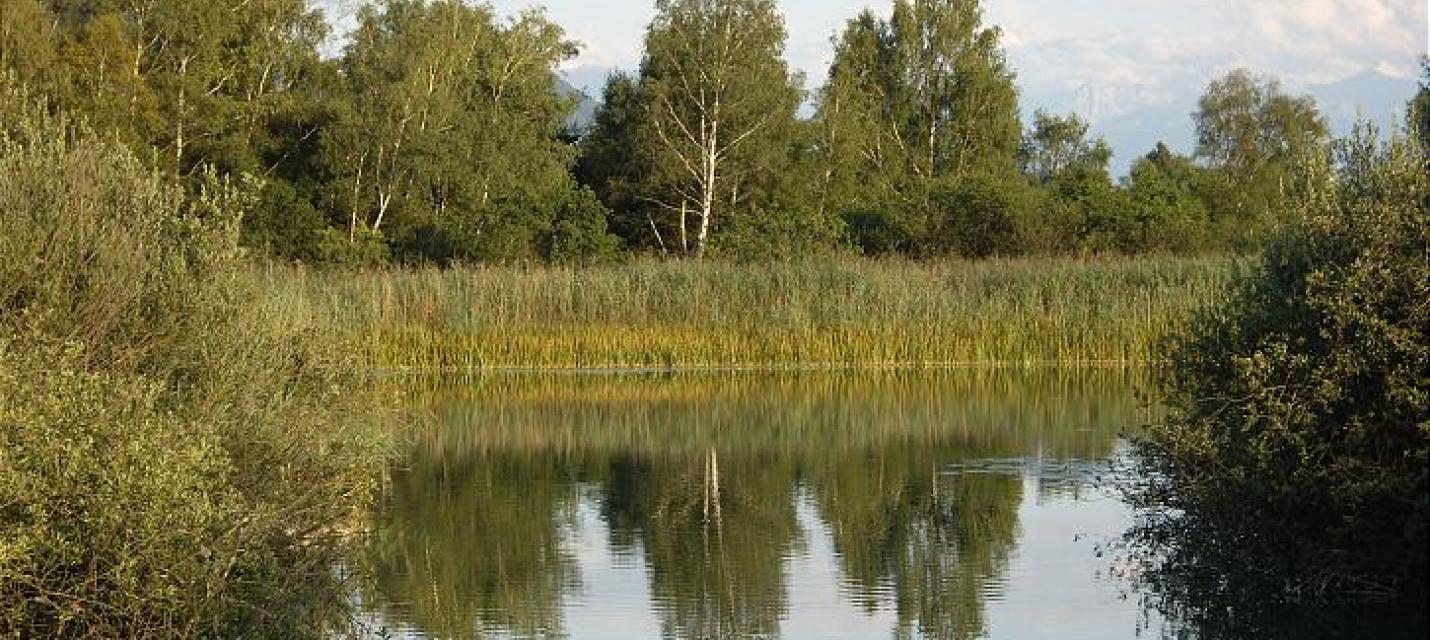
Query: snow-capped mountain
[[1134, 118]]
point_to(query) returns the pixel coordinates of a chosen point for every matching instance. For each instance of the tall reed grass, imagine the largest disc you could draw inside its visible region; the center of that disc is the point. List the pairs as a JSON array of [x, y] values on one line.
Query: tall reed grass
[[838, 313]]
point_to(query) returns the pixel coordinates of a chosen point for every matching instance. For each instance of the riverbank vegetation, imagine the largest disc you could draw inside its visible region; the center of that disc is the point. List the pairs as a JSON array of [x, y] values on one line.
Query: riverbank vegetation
[[176, 457], [209, 226], [851, 312], [1293, 463]]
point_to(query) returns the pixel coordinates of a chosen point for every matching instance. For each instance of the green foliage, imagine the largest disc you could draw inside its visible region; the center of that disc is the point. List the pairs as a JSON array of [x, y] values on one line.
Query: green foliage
[[361, 249], [175, 456], [609, 166], [1167, 211], [439, 129], [1058, 146], [979, 217], [1085, 211], [451, 145], [779, 234], [1293, 462], [703, 138], [580, 235], [921, 99], [1259, 144], [27, 46], [439, 135], [783, 221], [1419, 111], [284, 223]]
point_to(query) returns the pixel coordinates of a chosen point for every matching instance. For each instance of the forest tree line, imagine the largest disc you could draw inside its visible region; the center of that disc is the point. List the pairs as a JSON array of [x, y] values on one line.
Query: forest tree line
[[439, 135]]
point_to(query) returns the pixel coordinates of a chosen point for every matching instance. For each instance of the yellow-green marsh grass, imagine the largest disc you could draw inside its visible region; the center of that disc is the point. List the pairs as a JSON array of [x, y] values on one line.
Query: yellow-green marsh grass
[[835, 313]]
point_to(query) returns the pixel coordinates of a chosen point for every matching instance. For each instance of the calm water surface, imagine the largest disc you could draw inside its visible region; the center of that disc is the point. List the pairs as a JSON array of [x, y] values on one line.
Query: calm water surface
[[791, 505]]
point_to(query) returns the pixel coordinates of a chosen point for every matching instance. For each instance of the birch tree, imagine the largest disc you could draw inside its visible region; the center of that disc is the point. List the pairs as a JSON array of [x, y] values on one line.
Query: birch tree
[[1257, 141], [923, 97], [453, 131], [1056, 145], [199, 80], [718, 101]]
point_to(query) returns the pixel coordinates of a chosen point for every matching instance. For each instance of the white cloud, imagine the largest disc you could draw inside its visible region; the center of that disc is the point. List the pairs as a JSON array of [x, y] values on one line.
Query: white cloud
[[1172, 47], [1163, 46]]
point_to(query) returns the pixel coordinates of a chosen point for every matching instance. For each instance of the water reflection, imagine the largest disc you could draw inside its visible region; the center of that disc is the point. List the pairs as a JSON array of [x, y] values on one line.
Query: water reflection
[[473, 544], [716, 505]]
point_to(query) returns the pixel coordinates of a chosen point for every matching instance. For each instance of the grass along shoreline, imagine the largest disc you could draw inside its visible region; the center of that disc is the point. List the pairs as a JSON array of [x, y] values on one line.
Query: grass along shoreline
[[844, 313]]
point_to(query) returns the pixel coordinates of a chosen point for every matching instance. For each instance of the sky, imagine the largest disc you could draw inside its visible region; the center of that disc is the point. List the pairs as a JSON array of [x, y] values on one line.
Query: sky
[[1062, 45]]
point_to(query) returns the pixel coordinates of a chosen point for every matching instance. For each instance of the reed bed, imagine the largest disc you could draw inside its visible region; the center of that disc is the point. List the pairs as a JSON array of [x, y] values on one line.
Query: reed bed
[[691, 315], [986, 413]]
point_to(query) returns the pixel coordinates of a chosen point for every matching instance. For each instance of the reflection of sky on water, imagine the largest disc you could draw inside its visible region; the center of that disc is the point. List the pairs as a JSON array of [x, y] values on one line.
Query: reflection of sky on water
[[853, 507], [808, 505], [1056, 586], [614, 601]]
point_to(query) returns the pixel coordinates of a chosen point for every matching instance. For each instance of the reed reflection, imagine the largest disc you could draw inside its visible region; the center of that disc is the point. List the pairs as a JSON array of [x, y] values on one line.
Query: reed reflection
[[699, 479]]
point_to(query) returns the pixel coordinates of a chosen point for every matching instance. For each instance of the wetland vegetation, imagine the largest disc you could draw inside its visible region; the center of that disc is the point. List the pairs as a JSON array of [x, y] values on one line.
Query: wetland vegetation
[[820, 313], [177, 458], [859, 359]]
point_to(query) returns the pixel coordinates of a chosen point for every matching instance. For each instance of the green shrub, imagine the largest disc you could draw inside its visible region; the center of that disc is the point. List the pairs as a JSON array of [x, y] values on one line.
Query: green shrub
[[284, 224], [1293, 463], [353, 251], [779, 234], [579, 234], [176, 459], [978, 217]]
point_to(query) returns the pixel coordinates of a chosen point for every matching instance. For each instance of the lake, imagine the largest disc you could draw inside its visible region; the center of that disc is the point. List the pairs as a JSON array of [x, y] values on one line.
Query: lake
[[948, 504]]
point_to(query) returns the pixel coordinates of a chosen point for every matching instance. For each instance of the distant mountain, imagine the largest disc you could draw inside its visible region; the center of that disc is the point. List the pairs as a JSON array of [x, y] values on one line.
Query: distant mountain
[[589, 78], [1098, 104], [1375, 96], [585, 112], [1137, 132], [1134, 118]]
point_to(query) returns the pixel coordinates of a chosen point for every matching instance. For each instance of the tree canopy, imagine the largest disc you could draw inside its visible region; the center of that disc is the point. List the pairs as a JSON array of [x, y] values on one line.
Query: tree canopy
[[437, 134]]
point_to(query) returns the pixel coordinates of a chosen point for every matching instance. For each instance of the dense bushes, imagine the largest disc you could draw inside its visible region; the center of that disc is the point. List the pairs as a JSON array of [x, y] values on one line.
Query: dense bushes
[[1293, 464], [175, 458]]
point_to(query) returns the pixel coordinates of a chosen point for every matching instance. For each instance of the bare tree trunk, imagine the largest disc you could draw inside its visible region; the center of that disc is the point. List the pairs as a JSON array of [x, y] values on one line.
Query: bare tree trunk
[[659, 240], [684, 230], [707, 193], [383, 201], [357, 192]]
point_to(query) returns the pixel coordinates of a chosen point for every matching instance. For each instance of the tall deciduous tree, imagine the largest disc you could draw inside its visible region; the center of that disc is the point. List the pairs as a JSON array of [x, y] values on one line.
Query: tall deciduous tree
[[199, 80], [923, 97], [1164, 189], [453, 133], [1258, 140], [718, 102], [1057, 145], [235, 86], [1420, 107], [610, 167]]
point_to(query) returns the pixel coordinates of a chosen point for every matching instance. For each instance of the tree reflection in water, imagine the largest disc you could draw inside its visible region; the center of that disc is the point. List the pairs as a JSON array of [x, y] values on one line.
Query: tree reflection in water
[[700, 478]]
